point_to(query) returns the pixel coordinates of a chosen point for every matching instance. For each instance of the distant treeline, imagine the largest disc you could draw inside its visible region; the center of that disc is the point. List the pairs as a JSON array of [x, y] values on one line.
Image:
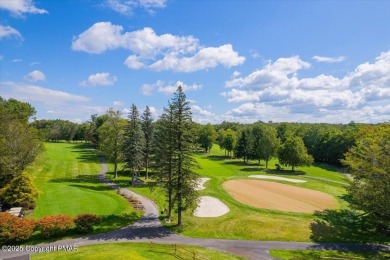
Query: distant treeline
[[325, 142]]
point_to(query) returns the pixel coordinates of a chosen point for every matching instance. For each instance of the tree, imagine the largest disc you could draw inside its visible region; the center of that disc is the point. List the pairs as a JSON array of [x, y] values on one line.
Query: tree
[[163, 155], [294, 153], [20, 143], [369, 164], [230, 141], [147, 128], [111, 136], [206, 137], [134, 144], [243, 147], [268, 144], [221, 135], [183, 153]]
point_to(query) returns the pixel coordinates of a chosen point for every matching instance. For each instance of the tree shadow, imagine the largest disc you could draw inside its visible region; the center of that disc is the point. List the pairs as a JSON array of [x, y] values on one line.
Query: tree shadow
[[252, 169], [344, 226], [217, 157], [90, 179], [285, 172]]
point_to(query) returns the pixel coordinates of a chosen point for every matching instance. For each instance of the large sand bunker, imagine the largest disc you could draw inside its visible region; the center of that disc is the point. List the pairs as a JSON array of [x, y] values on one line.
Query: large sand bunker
[[276, 178], [278, 196], [210, 207]]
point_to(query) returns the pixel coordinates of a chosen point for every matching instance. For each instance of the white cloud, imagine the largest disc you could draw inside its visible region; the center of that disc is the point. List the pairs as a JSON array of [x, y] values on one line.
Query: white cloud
[[254, 54], [117, 103], [161, 86], [196, 110], [33, 93], [9, 32], [133, 62], [19, 7], [206, 58], [99, 79], [35, 76], [328, 59], [34, 63], [156, 52], [277, 89], [127, 7]]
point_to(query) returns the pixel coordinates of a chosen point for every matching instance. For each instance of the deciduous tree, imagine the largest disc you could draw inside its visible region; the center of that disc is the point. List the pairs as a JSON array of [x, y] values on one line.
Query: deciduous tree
[[294, 153]]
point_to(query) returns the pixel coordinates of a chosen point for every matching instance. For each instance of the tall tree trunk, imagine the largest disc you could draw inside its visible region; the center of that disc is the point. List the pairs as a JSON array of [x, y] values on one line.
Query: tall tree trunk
[[146, 167], [116, 169]]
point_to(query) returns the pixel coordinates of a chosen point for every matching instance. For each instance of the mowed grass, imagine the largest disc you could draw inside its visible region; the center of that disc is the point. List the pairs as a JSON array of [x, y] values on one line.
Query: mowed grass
[[137, 251], [66, 176], [328, 254]]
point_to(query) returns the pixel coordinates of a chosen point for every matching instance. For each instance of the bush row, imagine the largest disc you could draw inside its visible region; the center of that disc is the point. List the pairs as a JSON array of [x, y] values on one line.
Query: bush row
[[14, 229]]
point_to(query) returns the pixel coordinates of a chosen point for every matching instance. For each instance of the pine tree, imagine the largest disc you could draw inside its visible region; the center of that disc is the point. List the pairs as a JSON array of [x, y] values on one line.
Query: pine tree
[[163, 155], [134, 144], [184, 154], [147, 128]]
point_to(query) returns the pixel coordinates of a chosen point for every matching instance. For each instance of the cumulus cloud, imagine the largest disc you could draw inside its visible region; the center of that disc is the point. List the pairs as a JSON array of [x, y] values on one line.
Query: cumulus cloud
[[361, 95], [9, 32], [328, 59], [156, 52], [35, 75], [127, 7], [99, 79], [167, 88], [20, 7]]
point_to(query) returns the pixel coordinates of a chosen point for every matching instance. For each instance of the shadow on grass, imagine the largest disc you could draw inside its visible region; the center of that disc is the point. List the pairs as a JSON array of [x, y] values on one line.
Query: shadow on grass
[[79, 179], [285, 172], [344, 226], [217, 157], [252, 169]]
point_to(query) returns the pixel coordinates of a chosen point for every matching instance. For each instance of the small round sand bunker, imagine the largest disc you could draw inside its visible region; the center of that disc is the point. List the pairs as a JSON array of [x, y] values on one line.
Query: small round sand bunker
[[210, 207], [200, 183], [278, 196], [276, 178]]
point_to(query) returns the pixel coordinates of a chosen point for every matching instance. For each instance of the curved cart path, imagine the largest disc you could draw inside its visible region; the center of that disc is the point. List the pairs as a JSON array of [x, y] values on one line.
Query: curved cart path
[[149, 229]]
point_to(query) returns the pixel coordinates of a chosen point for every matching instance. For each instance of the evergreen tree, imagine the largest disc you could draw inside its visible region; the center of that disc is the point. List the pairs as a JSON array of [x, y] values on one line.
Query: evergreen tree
[[147, 128], [243, 147], [134, 144], [184, 152], [163, 155]]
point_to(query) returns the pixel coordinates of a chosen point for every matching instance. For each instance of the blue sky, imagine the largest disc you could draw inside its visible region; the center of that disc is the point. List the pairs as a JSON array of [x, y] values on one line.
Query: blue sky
[[242, 61]]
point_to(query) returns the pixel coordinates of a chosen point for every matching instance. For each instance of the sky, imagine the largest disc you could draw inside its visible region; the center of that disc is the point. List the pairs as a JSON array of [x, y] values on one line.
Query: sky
[[237, 60]]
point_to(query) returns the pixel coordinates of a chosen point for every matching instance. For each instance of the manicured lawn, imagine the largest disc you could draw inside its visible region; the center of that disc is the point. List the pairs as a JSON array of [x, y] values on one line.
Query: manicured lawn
[[137, 251], [247, 222], [327, 254], [66, 176]]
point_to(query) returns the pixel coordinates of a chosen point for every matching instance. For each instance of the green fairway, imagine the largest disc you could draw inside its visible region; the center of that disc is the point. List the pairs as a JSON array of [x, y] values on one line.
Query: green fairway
[[327, 254], [137, 251], [67, 179]]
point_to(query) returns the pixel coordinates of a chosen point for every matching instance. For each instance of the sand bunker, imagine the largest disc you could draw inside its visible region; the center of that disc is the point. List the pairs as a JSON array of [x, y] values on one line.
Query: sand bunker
[[210, 207], [276, 178], [200, 183], [278, 196]]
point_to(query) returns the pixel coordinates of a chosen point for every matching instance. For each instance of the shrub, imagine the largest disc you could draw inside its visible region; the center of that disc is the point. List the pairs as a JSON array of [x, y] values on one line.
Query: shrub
[[53, 226], [84, 222], [21, 190], [14, 229]]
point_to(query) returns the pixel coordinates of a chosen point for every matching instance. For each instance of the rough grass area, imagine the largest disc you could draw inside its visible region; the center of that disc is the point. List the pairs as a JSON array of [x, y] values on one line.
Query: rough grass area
[[327, 254], [137, 251], [66, 176]]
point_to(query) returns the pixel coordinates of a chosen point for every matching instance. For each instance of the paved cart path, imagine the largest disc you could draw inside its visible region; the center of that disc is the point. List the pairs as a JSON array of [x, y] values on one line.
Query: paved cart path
[[149, 229]]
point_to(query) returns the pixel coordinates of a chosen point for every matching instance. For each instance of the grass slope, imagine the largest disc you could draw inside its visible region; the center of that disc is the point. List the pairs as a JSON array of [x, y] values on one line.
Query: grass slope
[[66, 176], [137, 251], [327, 254]]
